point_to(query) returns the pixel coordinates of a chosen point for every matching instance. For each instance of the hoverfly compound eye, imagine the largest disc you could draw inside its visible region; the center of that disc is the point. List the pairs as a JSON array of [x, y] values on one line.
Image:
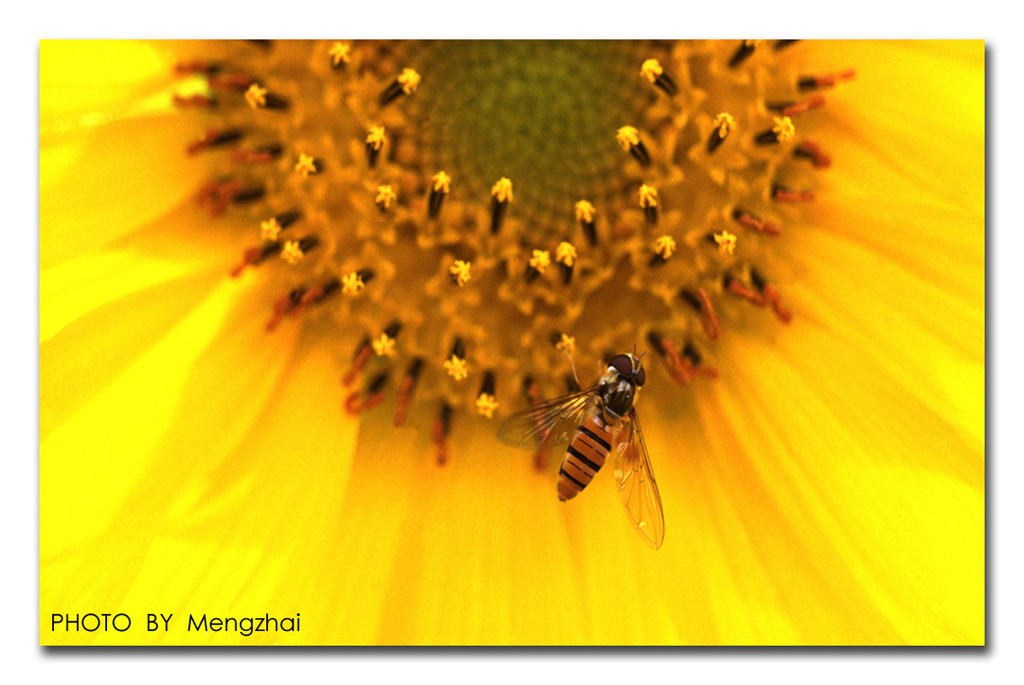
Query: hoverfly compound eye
[[641, 376], [623, 364]]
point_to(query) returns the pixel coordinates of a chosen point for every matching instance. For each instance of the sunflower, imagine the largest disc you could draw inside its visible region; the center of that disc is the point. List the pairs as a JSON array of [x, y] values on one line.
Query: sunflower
[[272, 369]]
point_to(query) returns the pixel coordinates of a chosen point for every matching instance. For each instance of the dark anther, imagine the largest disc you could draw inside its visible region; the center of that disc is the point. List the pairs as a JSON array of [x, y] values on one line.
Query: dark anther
[[275, 102], [225, 137], [249, 194], [745, 50], [377, 383], [391, 93], [487, 387], [364, 345], [372, 153], [768, 137], [783, 44], [288, 218], [366, 275], [590, 230], [436, 200], [267, 250], [308, 243], [714, 140], [415, 367], [529, 388], [444, 420], [691, 353], [566, 273], [214, 138], [665, 82], [498, 211], [654, 339], [393, 329], [458, 349], [692, 299], [412, 373], [265, 44], [330, 286], [657, 259], [757, 279], [273, 151], [639, 152], [651, 213], [801, 151]]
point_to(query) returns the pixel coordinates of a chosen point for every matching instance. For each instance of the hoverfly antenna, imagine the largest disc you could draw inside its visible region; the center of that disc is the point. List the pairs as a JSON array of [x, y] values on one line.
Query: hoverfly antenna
[[637, 358]]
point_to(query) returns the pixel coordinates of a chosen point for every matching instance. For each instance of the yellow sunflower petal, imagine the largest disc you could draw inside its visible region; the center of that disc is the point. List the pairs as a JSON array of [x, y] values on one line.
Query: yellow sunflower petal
[[373, 524], [902, 543], [81, 82], [105, 183], [716, 529], [936, 334], [937, 144], [472, 512], [82, 285], [177, 245], [112, 488], [85, 357], [260, 494]]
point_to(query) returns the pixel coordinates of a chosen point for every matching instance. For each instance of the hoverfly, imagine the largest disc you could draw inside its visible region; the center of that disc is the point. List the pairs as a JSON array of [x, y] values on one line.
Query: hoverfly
[[597, 420]]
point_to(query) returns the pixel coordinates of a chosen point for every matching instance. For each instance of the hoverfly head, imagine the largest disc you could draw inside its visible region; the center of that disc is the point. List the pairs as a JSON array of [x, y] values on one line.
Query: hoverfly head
[[639, 374], [629, 366]]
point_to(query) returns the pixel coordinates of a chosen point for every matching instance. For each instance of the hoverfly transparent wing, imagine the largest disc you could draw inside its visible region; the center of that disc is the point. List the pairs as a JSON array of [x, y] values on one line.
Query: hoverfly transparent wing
[[637, 487], [548, 423]]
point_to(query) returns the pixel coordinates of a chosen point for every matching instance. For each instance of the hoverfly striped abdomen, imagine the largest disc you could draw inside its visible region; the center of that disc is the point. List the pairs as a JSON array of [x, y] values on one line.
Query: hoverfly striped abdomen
[[586, 455]]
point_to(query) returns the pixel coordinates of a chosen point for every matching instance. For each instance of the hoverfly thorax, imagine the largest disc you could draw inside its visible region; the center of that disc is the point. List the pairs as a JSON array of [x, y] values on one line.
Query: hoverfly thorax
[[619, 386], [618, 396]]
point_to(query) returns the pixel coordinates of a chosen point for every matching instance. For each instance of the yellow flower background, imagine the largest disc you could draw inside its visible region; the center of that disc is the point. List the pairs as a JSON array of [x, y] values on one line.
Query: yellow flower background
[[827, 488]]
